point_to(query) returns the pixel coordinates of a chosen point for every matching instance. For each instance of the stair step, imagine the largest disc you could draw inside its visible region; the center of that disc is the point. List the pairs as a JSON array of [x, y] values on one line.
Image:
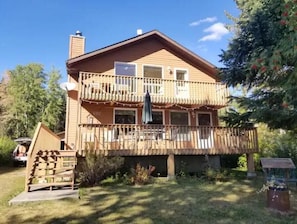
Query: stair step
[[51, 185]]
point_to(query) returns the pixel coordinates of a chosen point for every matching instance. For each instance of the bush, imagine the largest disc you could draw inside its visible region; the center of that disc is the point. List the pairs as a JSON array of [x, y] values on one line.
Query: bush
[[6, 147], [242, 162], [286, 146], [141, 175], [216, 175], [94, 168]]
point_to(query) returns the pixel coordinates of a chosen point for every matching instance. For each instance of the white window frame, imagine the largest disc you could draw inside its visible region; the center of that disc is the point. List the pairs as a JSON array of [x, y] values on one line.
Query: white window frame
[[128, 63], [121, 108], [209, 142], [187, 79], [153, 65], [189, 122], [132, 86], [160, 92], [163, 114], [112, 132]]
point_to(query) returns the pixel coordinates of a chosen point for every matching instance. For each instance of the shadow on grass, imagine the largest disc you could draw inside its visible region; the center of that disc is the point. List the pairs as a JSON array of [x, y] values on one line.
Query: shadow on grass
[[186, 200]]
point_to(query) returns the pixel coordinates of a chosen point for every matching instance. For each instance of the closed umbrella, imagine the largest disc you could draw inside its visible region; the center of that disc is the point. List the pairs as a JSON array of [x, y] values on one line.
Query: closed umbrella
[[147, 109]]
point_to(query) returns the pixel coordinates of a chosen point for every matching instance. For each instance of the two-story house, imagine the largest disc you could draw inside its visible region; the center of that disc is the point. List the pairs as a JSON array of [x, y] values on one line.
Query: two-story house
[[106, 96]]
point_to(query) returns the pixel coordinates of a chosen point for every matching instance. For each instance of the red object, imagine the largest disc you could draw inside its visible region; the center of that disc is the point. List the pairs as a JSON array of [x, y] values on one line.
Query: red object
[[285, 105]]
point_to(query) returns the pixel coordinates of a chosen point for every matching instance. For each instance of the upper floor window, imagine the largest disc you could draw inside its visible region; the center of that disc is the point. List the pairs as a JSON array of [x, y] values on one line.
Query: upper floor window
[[123, 68], [150, 71]]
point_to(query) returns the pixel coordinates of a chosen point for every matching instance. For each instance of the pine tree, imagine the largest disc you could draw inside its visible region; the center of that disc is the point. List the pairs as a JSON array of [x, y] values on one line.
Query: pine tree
[[54, 113], [262, 57]]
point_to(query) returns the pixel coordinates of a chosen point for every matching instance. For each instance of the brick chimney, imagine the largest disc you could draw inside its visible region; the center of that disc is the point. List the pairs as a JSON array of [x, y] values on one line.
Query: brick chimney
[[76, 45]]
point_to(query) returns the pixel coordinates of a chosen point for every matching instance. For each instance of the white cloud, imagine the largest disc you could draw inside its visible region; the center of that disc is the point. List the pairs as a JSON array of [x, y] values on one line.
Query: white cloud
[[206, 20], [217, 31]]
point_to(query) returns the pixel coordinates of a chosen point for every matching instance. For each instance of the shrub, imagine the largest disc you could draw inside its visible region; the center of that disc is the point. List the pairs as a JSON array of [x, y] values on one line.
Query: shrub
[[141, 175], [94, 168], [183, 172], [6, 147], [216, 175]]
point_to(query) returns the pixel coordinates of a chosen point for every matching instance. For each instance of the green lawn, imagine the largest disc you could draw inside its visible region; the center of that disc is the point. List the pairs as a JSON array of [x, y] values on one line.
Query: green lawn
[[183, 201]]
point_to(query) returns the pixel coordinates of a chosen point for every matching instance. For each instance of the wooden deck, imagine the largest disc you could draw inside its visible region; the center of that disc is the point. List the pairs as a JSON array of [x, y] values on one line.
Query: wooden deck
[[101, 87], [130, 140]]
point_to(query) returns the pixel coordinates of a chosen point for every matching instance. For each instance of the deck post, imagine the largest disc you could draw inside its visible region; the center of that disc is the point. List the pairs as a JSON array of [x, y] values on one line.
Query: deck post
[[250, 165], [170, 166]]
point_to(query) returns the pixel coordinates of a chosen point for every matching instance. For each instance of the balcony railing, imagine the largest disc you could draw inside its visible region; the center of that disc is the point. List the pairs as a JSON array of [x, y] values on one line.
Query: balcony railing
[[118, 139], [131, 89]]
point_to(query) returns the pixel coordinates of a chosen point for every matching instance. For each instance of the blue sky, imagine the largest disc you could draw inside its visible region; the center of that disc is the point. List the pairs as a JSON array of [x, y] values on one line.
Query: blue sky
[[37, 31]]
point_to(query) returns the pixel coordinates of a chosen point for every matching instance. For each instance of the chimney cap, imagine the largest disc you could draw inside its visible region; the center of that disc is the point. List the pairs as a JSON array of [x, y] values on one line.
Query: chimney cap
[[139, 31], [78, 33]]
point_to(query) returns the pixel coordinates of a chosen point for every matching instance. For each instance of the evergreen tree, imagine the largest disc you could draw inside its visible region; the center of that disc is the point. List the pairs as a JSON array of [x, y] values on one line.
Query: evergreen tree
[[262, 57], [54, 114]]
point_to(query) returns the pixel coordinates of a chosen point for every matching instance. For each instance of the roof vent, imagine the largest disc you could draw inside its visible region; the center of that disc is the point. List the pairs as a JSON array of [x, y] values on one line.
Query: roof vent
[[78, 33], [139, 31]]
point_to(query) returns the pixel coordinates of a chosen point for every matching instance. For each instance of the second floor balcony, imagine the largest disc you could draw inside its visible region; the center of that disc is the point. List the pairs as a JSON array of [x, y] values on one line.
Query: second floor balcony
[[101, 87]]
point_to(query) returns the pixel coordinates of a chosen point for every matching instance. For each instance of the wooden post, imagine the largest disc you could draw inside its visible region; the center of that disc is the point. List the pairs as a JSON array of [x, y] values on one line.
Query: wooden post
[[250, 165], [170, 166]]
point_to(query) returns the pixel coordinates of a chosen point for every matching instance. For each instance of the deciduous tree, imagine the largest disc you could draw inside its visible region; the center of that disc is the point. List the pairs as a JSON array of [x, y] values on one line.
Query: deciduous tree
[[26, 88]]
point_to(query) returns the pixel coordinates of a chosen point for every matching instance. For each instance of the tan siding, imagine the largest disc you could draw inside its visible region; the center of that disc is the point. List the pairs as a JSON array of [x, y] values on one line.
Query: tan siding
[[101, 114], [71, 114], [152, 53], [72, 122]]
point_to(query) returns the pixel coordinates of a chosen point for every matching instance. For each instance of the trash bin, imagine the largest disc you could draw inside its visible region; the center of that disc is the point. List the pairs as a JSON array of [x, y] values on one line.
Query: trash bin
[[278, 199]]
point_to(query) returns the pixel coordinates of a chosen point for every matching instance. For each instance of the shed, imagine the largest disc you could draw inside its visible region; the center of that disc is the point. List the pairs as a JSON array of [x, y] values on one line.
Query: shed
[[279, 168]]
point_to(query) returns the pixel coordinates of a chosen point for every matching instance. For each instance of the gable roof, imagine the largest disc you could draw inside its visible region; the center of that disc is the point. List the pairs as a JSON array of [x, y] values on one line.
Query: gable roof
[[170, 43]]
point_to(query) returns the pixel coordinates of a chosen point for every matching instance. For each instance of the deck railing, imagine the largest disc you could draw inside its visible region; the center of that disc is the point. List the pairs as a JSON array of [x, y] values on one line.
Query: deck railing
[[101, 87], [119, 139]]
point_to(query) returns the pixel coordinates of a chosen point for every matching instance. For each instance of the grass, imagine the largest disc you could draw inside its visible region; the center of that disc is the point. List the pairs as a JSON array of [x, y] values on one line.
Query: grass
[[186, 200]]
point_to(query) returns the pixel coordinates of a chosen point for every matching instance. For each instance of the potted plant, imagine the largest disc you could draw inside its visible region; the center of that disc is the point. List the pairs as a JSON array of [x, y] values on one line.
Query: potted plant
[[278, 196]]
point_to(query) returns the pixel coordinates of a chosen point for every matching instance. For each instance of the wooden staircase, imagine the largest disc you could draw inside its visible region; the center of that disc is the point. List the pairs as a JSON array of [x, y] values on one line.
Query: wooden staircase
[[52, 169]]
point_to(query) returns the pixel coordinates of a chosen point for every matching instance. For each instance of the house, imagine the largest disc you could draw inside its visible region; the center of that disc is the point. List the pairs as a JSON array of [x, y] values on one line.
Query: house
[[105, 98], [105, 101]]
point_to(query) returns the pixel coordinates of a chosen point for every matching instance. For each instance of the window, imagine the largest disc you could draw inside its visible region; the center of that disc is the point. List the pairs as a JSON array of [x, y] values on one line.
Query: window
[[124, 77], [181, 75], [123, 68], [152, 71], [124, 116], [182, 119], [205, 132], [182, 86], [204, 121], [152, 79], [157, 117]]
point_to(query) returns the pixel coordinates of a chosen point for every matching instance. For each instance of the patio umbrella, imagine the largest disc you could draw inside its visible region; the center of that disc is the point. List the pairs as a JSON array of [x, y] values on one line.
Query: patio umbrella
[[147, 109]]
